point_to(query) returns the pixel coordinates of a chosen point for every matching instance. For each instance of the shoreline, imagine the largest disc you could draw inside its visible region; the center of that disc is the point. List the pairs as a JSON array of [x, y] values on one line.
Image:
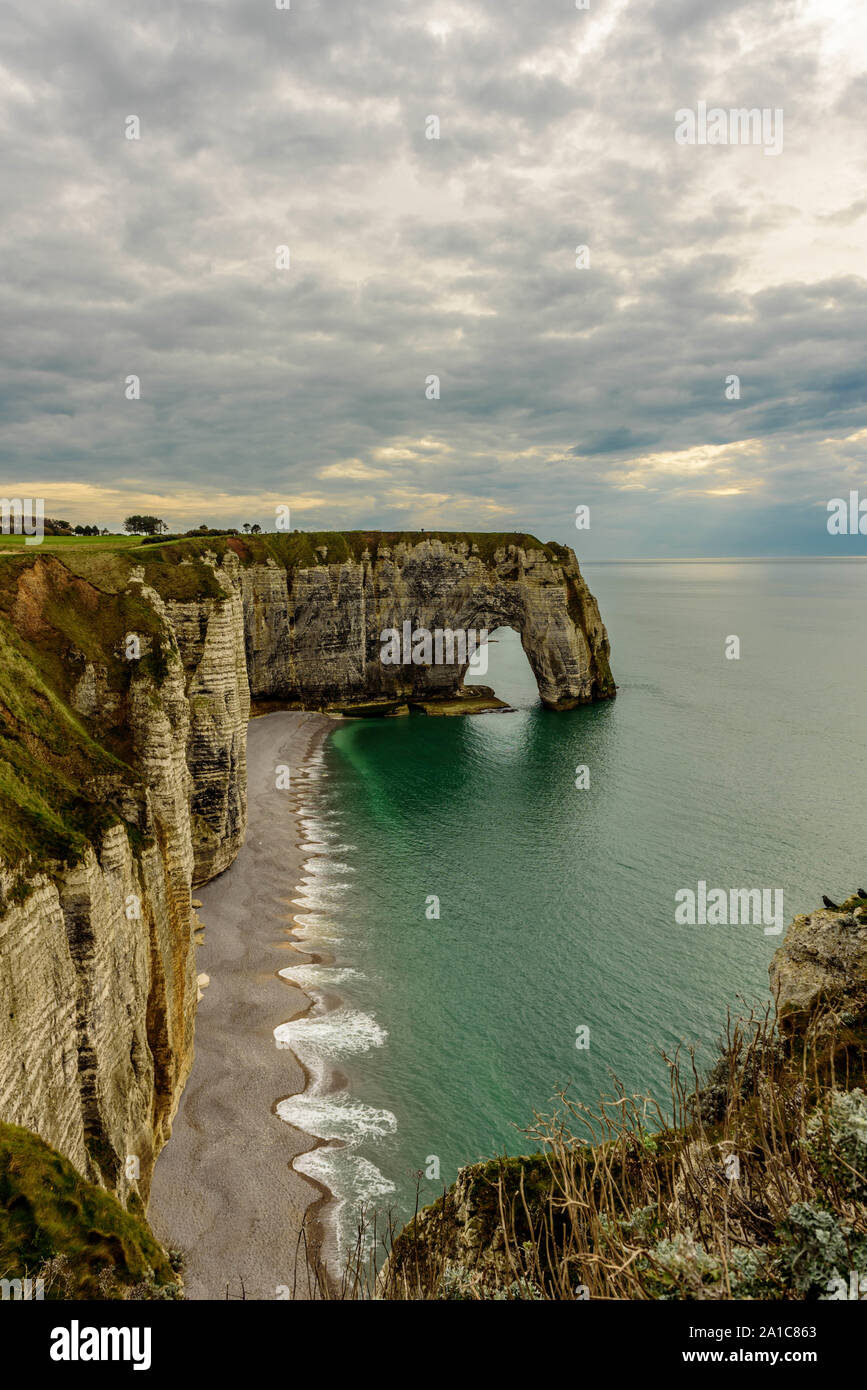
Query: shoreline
[[225, 1190]]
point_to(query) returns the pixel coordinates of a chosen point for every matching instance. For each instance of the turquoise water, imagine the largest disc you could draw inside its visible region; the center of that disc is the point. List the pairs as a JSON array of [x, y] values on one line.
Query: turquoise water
[[557, 904]]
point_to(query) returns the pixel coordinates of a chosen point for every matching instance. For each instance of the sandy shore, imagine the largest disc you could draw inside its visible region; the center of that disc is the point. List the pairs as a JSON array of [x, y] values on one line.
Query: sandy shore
[[223, 1189]]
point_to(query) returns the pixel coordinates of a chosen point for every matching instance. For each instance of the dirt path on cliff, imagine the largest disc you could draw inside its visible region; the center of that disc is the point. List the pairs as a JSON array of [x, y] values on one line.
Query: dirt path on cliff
[[223, 1190]]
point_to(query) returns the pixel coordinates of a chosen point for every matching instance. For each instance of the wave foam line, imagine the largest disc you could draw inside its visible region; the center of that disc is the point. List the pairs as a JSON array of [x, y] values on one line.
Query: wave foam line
[[322, 975], [348, 1176], [341, 1032], [336, 1116]]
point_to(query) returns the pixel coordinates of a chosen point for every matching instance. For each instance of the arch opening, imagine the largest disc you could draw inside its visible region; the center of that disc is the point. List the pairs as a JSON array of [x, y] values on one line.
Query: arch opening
[[508, 670]]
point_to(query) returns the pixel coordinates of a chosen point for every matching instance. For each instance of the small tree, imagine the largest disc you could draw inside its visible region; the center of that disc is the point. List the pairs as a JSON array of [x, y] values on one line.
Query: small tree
[[145, 525]]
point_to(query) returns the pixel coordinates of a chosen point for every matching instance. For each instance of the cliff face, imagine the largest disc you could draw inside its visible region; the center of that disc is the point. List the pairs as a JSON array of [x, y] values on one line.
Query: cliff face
[[314, 634], [210, 640], [97, 978], [123, 774], [98, 1012]]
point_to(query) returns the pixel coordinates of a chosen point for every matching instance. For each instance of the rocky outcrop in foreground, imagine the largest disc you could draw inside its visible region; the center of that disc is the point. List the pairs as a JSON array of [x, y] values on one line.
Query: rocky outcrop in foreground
[[822, 963], [756, 1189], [125, 686]]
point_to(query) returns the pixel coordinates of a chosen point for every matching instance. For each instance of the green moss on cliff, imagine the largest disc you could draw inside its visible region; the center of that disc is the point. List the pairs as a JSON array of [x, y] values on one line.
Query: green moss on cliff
[[62, 774], [48, 760], [55, 1225]]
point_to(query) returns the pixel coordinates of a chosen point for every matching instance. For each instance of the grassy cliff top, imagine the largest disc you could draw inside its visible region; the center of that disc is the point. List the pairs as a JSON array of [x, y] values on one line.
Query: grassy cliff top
[[106, 561], [304, 549], [356, 541]]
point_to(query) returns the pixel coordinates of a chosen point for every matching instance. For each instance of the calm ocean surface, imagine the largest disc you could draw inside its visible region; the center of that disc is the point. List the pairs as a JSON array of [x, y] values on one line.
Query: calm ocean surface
[[557, 905]]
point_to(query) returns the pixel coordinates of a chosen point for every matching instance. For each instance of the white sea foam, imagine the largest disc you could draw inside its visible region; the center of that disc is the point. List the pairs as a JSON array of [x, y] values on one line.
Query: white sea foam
[[313, 887], [321, 1038], [336, 1116], [317, 936], [320, 867], [338, 1033], [314, 921], [322, 907], [315, 815], [347, 1175], [322, 847], [322, 975]]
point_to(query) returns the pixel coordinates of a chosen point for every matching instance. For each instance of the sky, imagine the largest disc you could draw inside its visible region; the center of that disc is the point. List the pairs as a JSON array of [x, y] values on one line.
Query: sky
[[302, 377]]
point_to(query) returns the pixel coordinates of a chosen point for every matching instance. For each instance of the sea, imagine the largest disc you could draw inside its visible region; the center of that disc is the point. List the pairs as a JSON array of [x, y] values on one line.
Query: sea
[[493, 899]]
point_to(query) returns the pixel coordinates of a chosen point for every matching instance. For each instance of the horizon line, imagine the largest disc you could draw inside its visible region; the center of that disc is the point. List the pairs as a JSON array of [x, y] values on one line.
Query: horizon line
[[719, 559]]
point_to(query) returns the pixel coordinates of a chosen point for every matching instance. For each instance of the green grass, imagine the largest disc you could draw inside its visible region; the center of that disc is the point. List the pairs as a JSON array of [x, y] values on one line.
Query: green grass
[[304, 547], [296, 549], [48, 1210], [291, 548], [61, 775], [48, 759], [15, 542]]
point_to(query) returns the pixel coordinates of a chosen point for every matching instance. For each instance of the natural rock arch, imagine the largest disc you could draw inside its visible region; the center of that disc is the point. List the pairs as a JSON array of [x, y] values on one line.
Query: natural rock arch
[[315, 635]]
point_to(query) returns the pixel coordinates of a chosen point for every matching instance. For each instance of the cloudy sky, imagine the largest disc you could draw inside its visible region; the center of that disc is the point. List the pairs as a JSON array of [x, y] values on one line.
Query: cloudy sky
[[454, 257]]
